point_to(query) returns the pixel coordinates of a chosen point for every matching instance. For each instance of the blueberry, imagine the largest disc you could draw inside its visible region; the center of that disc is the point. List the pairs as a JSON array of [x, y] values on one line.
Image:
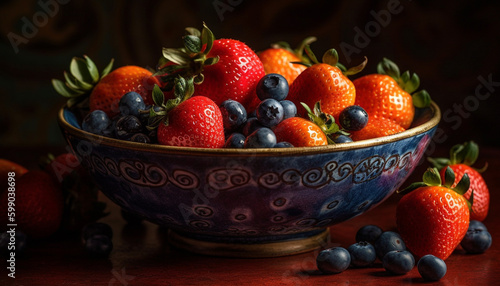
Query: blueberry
[[431, 268], [141, 138], [235, 140], [96, 228], [333, 260], [398, 262], [388, 241], [289, 109], [7, 244], [270, 112], [362, 254], [273, 86], [234, 114], [96, 122], [476, 241], [127, 126], [251, 125], [283, 144], [369, 233], [353, 118], [99, 245], [261, 138], [477, 225], [341, 139], [131, 103]]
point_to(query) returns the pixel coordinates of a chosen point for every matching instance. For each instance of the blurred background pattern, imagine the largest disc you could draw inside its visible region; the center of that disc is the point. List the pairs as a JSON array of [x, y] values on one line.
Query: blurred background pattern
[[452, 45]]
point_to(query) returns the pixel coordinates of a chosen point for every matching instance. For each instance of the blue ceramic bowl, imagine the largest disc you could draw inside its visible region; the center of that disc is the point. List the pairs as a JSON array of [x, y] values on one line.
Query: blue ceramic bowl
[[252, 202]]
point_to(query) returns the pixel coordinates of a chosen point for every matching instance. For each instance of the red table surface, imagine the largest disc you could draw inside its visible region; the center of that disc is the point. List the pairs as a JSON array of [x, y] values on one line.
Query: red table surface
[[142, 256]]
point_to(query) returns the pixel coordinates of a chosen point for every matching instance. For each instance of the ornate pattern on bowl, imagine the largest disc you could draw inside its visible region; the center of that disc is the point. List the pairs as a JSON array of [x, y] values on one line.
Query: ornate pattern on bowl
[[252, 195]]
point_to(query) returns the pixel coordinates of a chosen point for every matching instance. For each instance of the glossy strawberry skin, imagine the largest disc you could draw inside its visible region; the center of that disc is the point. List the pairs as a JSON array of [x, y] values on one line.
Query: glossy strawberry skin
[[381, 96], [277, 60], [481, 200], [107, 93], [377, 127], [38, 205], [196, 122], [300, 132], [432, 220], [234, 76], [325, 83]]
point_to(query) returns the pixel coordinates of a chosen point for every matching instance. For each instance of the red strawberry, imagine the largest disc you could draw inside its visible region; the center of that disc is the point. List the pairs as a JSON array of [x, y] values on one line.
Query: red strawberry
[[7, 166], [188, 121], [377, 127], [222, 69], [107, 93], [280, 59], [38, 205], [388, 94], [462, 156], [432, 218]]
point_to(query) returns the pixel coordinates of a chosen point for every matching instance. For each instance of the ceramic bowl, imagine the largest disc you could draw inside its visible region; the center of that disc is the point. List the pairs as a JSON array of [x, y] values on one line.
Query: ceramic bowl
[[251, 202]]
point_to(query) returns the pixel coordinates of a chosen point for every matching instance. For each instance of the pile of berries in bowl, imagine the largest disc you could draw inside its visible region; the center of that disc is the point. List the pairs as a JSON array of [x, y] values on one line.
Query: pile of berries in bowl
[[237, 159]]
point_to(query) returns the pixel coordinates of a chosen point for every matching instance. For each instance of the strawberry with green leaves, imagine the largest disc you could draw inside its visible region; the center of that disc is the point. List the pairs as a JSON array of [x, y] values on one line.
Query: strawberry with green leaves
[[389, 96], [326, 82], [187, 120], [462, 157], [103, 90], [315, 131], [221, 68], [433, 217]]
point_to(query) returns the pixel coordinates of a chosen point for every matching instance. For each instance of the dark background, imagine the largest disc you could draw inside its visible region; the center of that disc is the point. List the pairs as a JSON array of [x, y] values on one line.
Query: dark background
[[452, 45]]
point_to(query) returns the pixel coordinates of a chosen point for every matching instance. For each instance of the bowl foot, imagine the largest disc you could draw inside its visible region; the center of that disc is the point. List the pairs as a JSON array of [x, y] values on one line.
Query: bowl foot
[[262, 249]]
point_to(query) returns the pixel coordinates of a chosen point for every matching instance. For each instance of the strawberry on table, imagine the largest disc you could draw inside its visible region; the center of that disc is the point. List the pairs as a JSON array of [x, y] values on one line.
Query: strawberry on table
[[38, 205], [222, 68], [462, 157], [433, 217], [281, 59], [325, 82]]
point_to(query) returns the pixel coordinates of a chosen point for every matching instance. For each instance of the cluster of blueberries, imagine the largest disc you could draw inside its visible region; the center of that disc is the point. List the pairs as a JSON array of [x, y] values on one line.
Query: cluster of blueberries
[[130, 124], [388, 246], [254, 130]]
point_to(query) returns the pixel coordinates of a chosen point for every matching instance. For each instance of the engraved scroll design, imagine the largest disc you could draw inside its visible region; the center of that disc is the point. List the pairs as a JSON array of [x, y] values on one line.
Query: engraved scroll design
[[333, 171], [141, 173]]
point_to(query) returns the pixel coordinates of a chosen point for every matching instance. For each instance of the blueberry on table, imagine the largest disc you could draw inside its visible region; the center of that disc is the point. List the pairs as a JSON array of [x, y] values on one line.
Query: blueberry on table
[[270, 112], [353, 118], [261, 138], [131, 103], [431, 268], [362, 254], [477, 225], [388, 241], [369, 233], [234, 114], [289, 109], [398, 262], [476, 241], [235, 140], [98, 245], [333, 260], [96, 228], [273, 86], [96, 122]]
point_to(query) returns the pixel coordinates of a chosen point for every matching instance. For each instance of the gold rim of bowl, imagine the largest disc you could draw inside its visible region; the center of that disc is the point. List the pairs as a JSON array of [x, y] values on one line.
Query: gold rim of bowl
[[156, 148]]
